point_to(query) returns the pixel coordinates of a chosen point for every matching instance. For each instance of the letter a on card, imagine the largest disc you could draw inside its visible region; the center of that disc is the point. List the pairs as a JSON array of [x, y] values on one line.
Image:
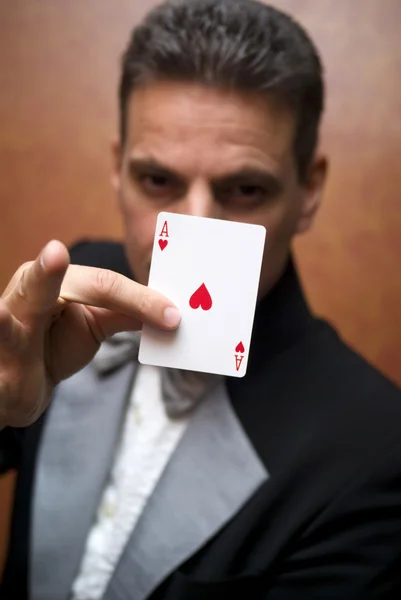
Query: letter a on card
[[238, 361], [164, 231]]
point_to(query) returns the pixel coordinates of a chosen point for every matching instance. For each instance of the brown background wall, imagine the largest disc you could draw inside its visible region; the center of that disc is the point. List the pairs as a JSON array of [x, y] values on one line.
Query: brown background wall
[[58, 75]]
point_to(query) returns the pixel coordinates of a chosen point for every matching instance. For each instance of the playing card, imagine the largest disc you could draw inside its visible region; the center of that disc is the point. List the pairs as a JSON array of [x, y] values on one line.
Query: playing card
[[210, 269]]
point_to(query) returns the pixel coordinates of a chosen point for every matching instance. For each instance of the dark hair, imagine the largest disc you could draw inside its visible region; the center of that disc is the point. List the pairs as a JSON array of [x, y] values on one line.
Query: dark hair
[[240, 44]]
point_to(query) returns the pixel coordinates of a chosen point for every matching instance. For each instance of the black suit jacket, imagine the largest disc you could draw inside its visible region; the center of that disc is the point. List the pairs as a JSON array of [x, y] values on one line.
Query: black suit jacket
[[327, 426]]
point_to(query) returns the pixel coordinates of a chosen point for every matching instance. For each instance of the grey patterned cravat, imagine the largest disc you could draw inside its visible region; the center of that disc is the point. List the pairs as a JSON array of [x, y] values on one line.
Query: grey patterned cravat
[[182, 390]]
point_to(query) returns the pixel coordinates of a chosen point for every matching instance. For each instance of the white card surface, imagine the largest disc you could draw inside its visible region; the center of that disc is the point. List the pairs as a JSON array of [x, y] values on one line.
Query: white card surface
[[210, 269]]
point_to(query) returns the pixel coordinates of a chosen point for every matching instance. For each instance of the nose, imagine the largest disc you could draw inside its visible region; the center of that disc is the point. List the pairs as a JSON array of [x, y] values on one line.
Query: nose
[[199, 201]]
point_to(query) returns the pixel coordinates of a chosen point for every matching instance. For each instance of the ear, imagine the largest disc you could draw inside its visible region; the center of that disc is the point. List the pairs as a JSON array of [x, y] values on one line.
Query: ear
[[116, 153], [312, 192]]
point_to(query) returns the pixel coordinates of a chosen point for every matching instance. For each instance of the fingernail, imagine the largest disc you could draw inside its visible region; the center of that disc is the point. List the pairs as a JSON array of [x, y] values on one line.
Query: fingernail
[[42, 261], [171, 316], [42, 256]]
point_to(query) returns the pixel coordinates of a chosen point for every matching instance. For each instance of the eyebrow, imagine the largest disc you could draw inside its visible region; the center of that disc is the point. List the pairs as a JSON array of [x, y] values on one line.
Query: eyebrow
[[137, 165], [240, 176]]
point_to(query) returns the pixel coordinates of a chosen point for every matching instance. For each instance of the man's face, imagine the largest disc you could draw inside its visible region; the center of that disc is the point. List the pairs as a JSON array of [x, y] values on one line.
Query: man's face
[[202, 151]]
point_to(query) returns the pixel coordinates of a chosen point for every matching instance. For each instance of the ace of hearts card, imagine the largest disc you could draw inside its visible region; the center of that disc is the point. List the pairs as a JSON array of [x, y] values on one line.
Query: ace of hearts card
[[210, 269]]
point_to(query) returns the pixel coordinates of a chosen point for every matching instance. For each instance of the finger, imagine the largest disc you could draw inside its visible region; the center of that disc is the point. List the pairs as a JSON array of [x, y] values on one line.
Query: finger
[[15, 279], [103, 323], [110, 290], [79, 332], [37, 285], [10, 330]]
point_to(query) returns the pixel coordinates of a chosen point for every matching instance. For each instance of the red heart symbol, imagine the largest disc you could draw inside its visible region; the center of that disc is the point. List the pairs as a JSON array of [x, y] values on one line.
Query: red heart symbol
[[201, 298], [163, 244], [240, 347]]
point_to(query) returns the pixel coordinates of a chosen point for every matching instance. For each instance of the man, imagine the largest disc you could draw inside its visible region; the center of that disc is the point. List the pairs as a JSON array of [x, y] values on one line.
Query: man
[[283, 484]]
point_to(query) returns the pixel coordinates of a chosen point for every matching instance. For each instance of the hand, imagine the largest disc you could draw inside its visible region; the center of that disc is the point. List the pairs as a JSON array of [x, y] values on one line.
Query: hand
[[53, 317]]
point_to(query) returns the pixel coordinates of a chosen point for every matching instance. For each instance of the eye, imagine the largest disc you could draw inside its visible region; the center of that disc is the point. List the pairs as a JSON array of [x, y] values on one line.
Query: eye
[[246, 194], [159, 185], [154, 182], [250, 190]]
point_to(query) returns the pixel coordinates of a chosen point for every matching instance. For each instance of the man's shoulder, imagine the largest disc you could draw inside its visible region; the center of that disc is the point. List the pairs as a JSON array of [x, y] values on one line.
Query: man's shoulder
[[320, 398], [104, 254], [322, 369], [347, 371]]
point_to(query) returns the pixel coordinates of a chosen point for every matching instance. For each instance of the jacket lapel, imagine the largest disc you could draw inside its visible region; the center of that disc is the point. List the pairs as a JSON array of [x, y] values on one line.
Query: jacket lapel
[[74, 460], [210, 476]]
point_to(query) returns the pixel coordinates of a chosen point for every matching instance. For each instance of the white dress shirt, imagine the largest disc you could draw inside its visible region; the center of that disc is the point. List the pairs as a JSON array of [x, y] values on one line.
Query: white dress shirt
[[147, 442]]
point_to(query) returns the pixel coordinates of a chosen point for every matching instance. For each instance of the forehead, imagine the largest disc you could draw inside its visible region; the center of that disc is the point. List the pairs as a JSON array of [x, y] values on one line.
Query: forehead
[[200, 128]]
